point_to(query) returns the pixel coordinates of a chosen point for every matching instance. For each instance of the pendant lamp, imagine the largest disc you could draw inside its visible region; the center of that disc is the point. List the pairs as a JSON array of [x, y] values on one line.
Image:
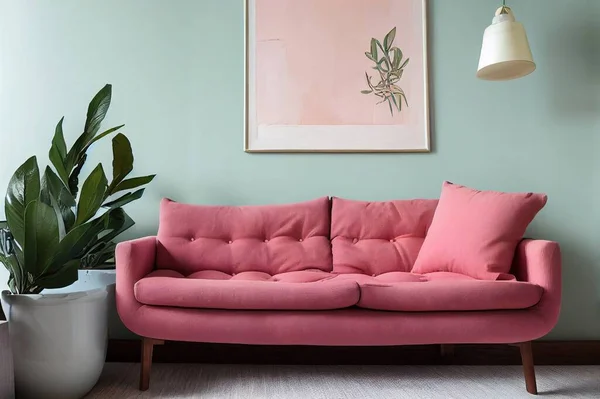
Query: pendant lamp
[[505, 52]]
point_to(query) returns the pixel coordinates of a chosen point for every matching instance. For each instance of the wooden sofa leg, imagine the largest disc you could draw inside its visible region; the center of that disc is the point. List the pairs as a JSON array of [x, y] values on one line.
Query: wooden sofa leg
[[147, 349], [528, 370]]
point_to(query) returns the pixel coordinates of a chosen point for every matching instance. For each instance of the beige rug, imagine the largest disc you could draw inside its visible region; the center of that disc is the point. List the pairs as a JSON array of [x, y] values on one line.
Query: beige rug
[[119, 380]]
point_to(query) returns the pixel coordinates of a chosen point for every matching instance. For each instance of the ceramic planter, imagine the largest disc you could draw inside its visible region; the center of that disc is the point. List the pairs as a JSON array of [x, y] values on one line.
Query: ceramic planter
[[58, 341]]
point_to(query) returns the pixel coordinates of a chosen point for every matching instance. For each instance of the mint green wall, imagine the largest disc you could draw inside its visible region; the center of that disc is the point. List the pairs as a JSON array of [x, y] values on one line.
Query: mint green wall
[[177, 71]]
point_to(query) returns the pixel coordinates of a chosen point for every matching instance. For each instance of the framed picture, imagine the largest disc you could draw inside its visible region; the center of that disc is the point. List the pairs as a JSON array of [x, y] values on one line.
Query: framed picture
[[336, 76]]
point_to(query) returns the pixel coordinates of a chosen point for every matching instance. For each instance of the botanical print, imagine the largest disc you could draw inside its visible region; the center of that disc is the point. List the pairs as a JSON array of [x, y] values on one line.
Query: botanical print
[[335, 75], [390, 68]]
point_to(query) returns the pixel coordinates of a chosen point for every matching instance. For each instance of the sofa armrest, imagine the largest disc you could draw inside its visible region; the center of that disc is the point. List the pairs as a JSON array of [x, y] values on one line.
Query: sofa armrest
[[539, 262], [134, 259]]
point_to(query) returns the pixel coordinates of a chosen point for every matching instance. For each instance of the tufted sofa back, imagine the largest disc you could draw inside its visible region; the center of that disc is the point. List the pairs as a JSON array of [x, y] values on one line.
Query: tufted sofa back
[[378, 237], [271, 239]]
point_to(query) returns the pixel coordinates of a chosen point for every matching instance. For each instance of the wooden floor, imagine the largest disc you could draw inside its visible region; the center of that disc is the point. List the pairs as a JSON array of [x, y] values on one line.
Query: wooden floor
[[120, 380]]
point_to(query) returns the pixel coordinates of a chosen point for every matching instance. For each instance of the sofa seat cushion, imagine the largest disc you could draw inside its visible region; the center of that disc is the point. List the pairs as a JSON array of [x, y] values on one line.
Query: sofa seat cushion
[[437, 292], [212, 289]]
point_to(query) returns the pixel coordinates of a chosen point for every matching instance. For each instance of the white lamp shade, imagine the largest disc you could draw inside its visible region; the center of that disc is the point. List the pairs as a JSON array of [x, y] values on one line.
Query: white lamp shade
[[505, 52]]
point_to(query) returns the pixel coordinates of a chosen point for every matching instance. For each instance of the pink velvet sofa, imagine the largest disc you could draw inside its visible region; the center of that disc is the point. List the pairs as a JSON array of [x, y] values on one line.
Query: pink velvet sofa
[[323, 272]]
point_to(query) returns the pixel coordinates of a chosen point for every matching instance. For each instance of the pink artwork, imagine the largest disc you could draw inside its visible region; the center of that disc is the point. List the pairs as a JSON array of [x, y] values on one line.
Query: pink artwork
[[336, 75]]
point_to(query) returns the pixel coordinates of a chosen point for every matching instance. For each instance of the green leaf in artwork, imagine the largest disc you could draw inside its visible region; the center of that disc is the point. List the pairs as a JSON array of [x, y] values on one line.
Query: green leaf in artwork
[[374, 48], [389, 39], [397, 58], [387, 60], [395, 101], [399, 95], [405, 100], [384, 65], [369, 81]]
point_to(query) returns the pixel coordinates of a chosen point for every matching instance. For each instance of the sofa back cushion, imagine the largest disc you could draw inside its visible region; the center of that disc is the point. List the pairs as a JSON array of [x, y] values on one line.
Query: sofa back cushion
[[233, 239], [378, 237]]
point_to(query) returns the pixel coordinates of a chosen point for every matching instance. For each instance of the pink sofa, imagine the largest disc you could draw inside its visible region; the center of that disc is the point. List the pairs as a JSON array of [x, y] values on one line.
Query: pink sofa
[[323, 272]]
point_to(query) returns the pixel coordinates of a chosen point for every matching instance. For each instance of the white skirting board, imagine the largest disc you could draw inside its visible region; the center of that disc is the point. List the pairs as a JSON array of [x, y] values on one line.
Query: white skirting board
[[7, 381]]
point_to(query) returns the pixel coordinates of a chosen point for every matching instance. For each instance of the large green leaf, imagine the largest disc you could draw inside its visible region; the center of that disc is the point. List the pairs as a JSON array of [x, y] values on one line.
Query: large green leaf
[[58, 140], [80, 159], [23, 188], [118, 222], [30, 244], [58, 152], [74, 176], [102, 247], [55, 194], [389, 39], [104, 134], [122, 160], [125, 199], [60, 277], [12, 284], [96, 254], [133, 183], [14, 270], [102, 256], [41, 237], [92, 195], [77, 240], [97, 110]]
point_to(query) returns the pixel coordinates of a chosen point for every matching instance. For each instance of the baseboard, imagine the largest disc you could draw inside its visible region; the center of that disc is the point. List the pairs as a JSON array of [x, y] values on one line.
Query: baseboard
[[545, 353]]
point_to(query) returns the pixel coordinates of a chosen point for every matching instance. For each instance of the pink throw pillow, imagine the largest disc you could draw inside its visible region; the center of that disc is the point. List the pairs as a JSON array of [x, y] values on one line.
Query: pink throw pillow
[[476, 233]]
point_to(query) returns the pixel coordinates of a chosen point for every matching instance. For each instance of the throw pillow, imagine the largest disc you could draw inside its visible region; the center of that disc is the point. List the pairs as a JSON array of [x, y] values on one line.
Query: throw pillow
[[476, 233]]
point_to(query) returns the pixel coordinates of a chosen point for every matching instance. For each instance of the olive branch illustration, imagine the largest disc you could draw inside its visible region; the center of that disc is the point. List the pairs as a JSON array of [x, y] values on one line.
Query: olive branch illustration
[[390, 68]]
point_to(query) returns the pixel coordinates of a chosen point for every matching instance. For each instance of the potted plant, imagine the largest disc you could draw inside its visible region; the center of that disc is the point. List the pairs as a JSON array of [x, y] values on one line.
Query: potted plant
[[54, 227]]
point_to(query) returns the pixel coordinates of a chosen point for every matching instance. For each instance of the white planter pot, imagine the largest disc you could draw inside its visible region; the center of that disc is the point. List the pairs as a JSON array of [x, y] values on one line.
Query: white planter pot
[[92, 279], [58, 341]]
